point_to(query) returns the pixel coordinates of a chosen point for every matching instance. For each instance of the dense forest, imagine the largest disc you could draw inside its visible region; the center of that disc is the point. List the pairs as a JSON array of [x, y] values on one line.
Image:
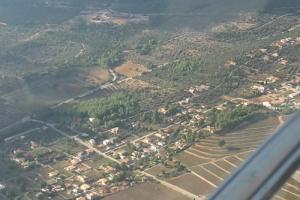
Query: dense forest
[[232, 117], [104, 110]]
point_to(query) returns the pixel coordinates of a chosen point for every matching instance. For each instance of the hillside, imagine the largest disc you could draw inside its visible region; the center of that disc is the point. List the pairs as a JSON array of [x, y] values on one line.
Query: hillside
[[115, 99]]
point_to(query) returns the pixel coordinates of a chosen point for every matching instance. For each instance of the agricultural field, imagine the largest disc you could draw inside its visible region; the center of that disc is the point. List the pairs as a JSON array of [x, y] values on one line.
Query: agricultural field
[[135, 99], [211, 163], [243, 140], [151, 191]]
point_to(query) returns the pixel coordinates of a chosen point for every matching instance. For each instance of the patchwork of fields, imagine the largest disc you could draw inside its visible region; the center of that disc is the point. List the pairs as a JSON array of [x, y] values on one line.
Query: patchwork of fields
[[211, 164]]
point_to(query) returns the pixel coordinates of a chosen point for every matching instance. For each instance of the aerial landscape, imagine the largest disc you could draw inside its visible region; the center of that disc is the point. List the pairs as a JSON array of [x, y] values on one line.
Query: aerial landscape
[[141, 99]]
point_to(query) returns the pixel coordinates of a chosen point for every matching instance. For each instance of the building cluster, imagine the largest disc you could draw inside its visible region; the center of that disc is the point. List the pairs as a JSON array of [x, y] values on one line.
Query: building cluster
[[89, 182], [81, 184], [147, 149]]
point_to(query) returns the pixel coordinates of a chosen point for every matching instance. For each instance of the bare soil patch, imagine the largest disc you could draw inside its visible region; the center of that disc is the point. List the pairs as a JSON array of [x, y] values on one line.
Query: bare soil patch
[[190, 160], [131, 69], [156, 170], [135, 84], [98, 76], [147, 191], [193, 184]]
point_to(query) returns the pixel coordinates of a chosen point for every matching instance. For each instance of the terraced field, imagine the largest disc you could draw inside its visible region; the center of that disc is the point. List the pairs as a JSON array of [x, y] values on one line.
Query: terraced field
[[150, 191], [211, 164]]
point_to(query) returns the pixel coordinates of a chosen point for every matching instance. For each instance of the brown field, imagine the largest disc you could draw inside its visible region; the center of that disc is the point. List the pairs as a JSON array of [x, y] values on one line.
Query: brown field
[[273, 98], [244, 156], [190, 160], [219, 169], [234, 161], [215, 173], [98, 76], [147, 191], [243, 140], [192, 184], [225, 165], [156, 170], [134, 84], [215, 170], [217, 180], [130, 69], [120, 21], [168, 46], [211, 165]]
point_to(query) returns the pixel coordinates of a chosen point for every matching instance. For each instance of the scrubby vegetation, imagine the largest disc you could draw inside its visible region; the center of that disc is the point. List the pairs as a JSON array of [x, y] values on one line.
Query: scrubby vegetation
[[233, 116], [108, 111], [116, 106], [111, 59], [146, 45]]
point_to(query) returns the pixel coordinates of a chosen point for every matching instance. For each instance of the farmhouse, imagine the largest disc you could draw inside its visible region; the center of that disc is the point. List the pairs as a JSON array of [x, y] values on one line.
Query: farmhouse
[[267, 104], [82, 179], [85, 187], [230, 63], [161, 136], [53, 174], [121, 153], [259, 88], [275, 55], [103, 181], [115, 130], [93, 142], [283, 61], [162, 111], [108, 141], [272, 79], [92, 119]]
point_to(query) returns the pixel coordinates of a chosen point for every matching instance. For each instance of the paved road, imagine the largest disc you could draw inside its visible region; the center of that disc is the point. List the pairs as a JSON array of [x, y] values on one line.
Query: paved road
[[21, 134], [167, 184], [171, 186], [114, 75], [141, 137]]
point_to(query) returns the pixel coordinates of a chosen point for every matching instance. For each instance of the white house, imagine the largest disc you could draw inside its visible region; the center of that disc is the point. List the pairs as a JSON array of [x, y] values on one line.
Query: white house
[[108, 141], [260, 88], [267, 104]]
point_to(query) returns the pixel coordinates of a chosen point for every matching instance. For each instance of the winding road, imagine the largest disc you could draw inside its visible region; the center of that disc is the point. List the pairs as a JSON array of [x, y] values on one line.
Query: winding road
[[89, 92]]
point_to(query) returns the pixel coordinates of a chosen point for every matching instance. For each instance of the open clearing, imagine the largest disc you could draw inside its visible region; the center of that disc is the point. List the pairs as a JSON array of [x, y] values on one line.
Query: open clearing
[[97, 76], [131, 69], [52, 88], [132, 84]]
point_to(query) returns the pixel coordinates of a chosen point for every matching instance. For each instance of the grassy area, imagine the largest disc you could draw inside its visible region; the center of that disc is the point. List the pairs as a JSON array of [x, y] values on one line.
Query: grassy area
[[67, 145]]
